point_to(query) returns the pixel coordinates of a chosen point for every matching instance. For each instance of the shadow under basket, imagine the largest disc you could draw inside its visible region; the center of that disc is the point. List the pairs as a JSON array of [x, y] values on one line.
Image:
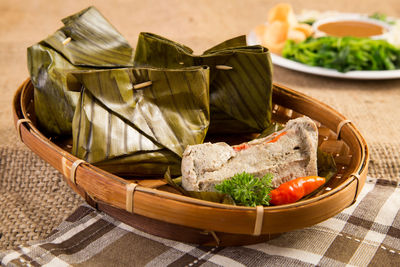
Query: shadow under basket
[[155, 208]]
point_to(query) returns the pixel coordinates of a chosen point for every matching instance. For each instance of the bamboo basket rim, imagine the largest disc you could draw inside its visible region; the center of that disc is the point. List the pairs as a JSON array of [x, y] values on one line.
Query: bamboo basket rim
[[24, 126]]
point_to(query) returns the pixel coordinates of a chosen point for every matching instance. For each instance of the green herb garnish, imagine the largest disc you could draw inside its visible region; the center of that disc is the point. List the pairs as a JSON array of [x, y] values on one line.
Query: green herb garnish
[[309, 21], [381, 17], [247, 190], [344, 53]]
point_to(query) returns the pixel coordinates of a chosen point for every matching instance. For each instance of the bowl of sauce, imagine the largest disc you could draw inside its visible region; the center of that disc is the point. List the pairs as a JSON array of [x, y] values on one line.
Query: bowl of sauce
[[355, 26]]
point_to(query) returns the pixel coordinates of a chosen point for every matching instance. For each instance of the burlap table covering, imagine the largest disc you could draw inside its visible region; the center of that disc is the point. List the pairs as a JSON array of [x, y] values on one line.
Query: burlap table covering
[[33, 197]]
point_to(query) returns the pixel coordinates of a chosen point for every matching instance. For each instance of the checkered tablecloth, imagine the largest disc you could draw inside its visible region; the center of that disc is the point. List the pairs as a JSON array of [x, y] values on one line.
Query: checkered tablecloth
[[367, 233]]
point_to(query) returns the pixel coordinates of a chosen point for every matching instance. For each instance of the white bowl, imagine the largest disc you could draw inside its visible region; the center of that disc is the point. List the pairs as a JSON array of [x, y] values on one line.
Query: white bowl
[[351, 17]]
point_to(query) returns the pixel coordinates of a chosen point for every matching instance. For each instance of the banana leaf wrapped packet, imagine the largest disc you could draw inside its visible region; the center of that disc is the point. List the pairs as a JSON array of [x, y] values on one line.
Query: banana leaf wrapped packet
[[240, 79], [86, 41], [138, 121]]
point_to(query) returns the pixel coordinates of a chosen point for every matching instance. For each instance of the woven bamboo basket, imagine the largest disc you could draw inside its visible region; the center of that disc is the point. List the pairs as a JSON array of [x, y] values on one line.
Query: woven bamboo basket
[[156, 208]]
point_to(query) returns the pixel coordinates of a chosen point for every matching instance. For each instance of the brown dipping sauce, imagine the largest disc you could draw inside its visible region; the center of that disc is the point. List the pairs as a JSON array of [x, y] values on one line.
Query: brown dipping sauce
[[351, 28]]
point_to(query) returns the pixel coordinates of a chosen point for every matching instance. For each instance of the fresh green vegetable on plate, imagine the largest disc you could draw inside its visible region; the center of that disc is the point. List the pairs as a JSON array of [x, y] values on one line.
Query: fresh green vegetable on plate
[[344, 53], [381, 17]]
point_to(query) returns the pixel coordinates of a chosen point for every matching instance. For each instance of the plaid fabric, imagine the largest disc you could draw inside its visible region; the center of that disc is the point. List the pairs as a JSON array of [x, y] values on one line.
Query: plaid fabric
[[367, 233]]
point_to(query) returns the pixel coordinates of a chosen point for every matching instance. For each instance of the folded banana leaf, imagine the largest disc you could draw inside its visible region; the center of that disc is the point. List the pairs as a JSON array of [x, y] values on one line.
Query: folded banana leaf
[[326, 165], [138, 121], [87, 41], [240, 79], [209, 196]]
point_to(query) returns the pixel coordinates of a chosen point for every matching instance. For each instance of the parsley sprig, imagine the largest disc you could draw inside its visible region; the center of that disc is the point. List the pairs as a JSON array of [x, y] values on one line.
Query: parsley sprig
[[247, 190]]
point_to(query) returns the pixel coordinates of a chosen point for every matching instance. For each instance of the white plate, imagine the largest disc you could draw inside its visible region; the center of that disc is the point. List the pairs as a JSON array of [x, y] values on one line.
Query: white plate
[[252, 39]]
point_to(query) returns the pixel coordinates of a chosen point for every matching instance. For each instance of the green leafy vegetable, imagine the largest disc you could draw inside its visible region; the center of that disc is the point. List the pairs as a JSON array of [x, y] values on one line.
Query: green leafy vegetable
[[247, 190], [309, 21], [344, 53], [381, 17]]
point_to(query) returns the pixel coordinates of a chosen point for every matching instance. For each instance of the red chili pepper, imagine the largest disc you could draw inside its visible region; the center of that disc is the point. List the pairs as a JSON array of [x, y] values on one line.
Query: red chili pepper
[[240, 147], [246, 145], [276, 138], [295, 189]]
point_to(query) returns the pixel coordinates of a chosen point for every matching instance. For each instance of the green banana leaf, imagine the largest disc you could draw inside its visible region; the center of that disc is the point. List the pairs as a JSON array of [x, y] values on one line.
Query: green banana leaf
[[94, 41], [87, 41], [326, 168], [54, 105], [240, 79], [139, 132], [209, 196], [272, 128], [326, 165]]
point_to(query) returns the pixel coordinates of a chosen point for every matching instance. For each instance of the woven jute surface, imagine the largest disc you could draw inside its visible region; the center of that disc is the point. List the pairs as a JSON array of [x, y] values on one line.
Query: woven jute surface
[[33, 196]]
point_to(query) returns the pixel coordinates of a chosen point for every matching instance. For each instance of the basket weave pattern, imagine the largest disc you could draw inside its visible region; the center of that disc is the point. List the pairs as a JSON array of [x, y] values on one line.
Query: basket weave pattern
[[153, 200]]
